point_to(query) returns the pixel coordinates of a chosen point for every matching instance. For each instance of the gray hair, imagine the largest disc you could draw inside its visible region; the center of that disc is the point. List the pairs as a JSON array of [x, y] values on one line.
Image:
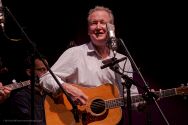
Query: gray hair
[[99, 8]]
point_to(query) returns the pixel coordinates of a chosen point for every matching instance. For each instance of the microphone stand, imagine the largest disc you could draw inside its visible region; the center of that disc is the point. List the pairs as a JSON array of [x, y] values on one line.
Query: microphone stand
[[149, 95], [128, 83], [74, 106]]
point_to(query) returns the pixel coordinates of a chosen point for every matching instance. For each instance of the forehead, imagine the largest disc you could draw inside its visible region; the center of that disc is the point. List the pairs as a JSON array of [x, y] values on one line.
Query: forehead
[[38, 62], [100, 15]]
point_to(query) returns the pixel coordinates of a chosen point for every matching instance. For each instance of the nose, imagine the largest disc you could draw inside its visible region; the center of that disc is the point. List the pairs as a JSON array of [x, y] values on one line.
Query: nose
[[98, 25]]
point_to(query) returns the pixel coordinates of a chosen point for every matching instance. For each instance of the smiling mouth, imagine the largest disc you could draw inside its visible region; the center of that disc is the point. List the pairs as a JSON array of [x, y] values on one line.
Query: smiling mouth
[[98, 33]]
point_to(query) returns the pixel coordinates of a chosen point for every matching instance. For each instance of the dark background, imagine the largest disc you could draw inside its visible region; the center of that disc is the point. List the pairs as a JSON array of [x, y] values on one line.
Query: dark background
[[154, 32]]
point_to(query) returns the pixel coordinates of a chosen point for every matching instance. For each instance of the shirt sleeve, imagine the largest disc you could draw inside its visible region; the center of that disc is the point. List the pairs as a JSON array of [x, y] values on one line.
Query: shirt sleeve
[[62, 68], [49, 84]]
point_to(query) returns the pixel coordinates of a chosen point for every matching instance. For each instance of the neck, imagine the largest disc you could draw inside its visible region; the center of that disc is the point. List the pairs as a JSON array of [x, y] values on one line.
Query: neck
[[103, 51]]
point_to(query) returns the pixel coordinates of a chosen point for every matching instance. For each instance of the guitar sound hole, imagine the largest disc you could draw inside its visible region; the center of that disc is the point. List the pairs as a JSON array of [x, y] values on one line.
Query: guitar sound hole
[[97, 106]]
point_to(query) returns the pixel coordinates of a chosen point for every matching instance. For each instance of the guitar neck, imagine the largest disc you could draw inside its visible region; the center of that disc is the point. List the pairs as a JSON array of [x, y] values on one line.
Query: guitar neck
[[160, 94], [14, 86], [112, 103]]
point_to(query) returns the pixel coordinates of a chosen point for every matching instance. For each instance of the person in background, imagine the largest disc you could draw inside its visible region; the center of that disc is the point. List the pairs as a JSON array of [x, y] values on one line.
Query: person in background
[[12, 55], [4, 91], [81, 65], [21, 101]]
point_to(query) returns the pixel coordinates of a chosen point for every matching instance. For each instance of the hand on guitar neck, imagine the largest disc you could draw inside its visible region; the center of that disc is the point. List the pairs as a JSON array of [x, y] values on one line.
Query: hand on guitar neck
[[4, 92]]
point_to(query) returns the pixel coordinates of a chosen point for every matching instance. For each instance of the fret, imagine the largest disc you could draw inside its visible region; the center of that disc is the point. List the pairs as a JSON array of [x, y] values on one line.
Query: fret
[[137, 98], [12, 86], [114, 103], [18, 85], [168, 92]]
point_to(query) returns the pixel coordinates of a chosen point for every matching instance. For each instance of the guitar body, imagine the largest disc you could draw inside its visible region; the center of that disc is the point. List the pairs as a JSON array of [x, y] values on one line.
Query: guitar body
[[93, 113], [57, 114]]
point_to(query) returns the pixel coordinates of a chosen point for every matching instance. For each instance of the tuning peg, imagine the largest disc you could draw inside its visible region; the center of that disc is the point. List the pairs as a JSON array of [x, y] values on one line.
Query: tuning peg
[[14, 81]]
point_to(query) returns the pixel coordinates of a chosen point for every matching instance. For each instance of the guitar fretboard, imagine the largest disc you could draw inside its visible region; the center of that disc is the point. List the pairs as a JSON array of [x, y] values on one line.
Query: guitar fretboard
[[112, 103], [166, 93], [19, 85], [160, 94]]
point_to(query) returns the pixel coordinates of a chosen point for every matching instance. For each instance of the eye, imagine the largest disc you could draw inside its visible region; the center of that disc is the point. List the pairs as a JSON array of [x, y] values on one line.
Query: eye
[[41, 69], [93, 22], [103, 22]]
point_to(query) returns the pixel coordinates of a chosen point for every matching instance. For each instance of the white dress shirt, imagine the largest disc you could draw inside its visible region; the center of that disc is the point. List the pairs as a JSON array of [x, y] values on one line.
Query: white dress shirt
[[82, 65]]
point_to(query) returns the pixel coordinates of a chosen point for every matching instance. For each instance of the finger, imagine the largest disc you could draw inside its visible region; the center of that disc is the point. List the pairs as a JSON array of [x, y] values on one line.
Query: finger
[[152, 90], [1, 84], [84, 97], [7, 88], [6, 91], [2, 93], [81, 101]]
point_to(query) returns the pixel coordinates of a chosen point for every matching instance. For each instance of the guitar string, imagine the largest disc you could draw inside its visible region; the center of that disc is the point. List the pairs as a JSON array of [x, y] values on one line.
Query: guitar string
[[135, 99], [111, 102], [114, 102]]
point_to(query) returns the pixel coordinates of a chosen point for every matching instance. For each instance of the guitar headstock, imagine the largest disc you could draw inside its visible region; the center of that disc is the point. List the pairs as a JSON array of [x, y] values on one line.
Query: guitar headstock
[[182, 90]]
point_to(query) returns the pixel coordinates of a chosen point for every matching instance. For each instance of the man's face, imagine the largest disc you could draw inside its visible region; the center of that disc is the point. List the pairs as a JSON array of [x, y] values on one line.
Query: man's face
[[97, 27], [40, 68]]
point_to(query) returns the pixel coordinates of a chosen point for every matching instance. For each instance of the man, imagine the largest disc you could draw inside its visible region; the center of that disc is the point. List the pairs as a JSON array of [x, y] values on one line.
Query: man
[[81, 65], [21, 101]]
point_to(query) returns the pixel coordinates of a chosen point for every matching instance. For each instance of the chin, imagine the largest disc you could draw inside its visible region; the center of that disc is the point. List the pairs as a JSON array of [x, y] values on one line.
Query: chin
[[99, 43]]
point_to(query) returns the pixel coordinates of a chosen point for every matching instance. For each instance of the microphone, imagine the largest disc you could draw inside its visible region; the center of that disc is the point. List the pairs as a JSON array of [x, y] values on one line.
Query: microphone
[[2, 18], [112, 62], [112, 38]]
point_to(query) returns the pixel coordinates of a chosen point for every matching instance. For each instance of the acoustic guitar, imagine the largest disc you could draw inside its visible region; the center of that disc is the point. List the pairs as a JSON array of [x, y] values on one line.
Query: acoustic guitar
[[102, 108]]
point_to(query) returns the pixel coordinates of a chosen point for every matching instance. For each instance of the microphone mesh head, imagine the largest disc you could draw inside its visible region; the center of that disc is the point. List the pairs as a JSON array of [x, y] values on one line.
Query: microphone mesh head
[[111, 30], [112, 39], [2, 18]]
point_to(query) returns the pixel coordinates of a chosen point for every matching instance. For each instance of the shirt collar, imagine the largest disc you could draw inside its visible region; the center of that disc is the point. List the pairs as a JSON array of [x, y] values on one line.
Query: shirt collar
[[91, 50]]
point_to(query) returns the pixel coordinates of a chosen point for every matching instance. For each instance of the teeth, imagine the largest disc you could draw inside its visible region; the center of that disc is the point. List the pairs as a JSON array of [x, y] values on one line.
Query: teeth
[[98, 33]]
